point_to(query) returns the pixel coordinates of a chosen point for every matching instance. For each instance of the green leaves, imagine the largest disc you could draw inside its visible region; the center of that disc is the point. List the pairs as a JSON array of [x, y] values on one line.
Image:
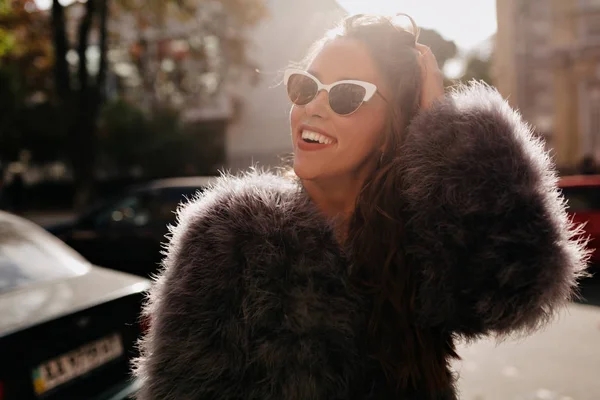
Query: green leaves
[[5, 8], [7, 43]]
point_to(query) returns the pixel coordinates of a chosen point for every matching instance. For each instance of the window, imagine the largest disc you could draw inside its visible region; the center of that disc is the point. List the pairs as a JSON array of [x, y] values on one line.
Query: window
[[541, 27], [589, 28], [169, 199], [143, 208], [29, 255], [129, 210], [582, 198]]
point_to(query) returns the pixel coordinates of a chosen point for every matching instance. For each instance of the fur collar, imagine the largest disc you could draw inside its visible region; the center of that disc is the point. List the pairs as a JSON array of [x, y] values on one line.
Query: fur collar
[[254, 300]]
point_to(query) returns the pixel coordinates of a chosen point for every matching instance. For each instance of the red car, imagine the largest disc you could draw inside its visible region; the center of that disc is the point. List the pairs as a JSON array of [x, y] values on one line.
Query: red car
[[583, 197]]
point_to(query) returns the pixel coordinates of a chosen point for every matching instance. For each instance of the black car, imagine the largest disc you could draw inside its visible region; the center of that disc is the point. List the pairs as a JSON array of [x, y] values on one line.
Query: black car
[[68, 329], [126, 232]]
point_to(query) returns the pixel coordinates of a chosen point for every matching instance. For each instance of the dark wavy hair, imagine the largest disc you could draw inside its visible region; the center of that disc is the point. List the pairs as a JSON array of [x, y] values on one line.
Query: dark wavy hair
[[413, 358]]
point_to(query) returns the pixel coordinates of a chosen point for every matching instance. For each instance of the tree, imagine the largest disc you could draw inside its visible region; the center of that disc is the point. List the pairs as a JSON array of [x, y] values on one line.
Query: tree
[[443, 49], [478, 62], [157, 144], [83, 94], [477, 68], [82, 97], [28, 113], [123, 131], [24, 43], [185, 58]]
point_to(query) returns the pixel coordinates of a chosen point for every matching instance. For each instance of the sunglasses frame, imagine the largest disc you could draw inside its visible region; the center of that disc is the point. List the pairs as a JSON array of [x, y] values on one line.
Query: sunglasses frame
[[370, 88]]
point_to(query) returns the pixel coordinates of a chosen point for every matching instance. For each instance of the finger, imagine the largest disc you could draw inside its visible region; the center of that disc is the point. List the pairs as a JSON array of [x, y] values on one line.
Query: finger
[[425, 63], [426, 52], [426, 70], [422, 63], [422, 48], [428, 57]]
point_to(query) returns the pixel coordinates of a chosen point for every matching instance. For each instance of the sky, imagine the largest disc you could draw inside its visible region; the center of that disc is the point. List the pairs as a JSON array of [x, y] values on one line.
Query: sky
[[466, 22]]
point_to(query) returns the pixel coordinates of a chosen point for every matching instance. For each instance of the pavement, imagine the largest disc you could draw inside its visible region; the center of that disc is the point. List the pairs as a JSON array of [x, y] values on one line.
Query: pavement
[[561, 362]]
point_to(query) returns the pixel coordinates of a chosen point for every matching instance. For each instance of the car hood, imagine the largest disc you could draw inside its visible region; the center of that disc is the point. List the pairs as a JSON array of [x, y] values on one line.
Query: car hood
[[35, 304]]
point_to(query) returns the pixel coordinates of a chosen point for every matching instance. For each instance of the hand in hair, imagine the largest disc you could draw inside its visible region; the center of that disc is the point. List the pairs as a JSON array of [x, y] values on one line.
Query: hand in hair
[[432, 85]]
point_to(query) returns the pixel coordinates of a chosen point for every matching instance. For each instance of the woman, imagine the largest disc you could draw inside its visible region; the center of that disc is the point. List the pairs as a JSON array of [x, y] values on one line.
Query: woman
[[415, 219]]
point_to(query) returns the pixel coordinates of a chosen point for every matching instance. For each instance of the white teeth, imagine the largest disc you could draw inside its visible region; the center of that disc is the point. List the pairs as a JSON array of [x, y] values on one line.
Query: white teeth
[[316, 137]]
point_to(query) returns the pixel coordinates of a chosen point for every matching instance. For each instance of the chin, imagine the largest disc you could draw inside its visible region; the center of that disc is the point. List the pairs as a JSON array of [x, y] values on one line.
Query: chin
[[304, 173], [306, 170]]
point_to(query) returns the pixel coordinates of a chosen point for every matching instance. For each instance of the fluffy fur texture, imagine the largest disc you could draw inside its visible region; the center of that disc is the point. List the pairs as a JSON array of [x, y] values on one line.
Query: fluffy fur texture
[[485, 223], [254, 300]]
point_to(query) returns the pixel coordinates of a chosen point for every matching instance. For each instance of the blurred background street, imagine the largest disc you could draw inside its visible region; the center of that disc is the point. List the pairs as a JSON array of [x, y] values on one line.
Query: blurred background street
[[112, 112]]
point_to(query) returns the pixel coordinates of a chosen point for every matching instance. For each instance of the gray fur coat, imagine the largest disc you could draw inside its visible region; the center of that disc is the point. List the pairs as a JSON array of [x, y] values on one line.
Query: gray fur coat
[[254, 300]]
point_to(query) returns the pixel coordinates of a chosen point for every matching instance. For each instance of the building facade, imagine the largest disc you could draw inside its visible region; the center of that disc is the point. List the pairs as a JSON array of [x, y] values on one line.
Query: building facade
[[547, 64]]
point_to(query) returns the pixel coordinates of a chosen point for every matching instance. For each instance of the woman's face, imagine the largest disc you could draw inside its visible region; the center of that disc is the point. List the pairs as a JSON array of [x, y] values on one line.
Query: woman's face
[[357, 139]]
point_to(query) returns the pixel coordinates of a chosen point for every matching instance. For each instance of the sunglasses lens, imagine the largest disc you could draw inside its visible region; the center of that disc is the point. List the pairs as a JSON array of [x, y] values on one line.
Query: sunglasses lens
[[301, 89], [345, 98]]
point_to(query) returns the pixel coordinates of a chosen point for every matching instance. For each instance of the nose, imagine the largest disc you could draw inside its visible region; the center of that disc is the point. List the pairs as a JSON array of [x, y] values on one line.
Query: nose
[[319, 106]]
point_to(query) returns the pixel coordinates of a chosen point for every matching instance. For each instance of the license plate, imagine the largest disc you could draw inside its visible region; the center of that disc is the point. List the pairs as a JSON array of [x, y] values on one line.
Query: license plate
[[73, 364]]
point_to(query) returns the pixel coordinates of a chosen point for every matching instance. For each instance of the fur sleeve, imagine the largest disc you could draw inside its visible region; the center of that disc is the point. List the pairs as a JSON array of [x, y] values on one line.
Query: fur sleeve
[[486, 226], [252, 302]]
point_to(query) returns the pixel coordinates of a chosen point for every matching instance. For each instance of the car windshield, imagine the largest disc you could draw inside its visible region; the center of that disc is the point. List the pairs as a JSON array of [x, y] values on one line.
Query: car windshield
[[30, 255], [141, 207], [582, 198]]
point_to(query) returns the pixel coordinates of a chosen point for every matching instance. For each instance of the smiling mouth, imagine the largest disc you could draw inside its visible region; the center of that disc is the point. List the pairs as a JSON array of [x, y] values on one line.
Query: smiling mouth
[[311, 141], [315, 138]]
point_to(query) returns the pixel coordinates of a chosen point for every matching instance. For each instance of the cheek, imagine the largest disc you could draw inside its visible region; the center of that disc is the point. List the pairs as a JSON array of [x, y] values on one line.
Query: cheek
[[295, 117], [362, 134]]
